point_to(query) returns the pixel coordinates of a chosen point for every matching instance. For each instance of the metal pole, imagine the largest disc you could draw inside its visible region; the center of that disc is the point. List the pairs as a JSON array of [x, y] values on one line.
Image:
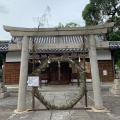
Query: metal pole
[[59, 71], [84, 72], [78, 79], [33, 62]]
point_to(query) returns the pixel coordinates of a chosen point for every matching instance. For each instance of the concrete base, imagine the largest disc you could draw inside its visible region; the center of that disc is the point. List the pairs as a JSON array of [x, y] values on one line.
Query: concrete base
[[115, 87], [102, 110], [3, 91], [21, 112], [5, 94], [1, 85]]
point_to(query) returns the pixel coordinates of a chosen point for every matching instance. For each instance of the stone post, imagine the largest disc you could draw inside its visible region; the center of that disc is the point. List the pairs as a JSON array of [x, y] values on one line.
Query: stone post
[[95, 73], [116, 85], [23, 75]]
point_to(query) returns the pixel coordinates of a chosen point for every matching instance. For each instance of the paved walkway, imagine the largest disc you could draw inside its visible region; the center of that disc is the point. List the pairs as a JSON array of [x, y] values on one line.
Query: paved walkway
[[61, 95]]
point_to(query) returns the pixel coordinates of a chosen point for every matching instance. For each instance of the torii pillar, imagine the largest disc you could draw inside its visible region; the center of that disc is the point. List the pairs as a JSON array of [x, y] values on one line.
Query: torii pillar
[[95, 73], [23, 75]]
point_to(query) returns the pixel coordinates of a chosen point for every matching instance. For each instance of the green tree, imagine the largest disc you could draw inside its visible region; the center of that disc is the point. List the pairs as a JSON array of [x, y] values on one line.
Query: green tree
[[60, 25], [70, 24], [100, 11], [91, 15]]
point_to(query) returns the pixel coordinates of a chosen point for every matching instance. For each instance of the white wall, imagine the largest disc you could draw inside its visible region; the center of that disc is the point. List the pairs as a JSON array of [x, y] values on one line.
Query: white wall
[[103, 55], [13, 57], [16, 56]]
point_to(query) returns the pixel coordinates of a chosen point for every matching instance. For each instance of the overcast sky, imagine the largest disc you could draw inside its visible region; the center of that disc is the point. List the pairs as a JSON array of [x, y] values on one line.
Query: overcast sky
[[25, 13]]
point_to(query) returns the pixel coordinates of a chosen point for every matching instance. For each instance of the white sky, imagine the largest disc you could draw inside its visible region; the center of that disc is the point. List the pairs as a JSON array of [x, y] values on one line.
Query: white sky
[[21, 13]]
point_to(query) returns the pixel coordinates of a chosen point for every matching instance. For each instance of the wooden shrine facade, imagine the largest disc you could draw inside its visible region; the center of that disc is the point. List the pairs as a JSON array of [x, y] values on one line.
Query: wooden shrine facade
[[12, 72], [51, 42]]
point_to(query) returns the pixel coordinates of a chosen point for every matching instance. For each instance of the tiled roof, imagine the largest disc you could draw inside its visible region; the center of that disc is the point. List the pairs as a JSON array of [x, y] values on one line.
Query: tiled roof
[[63, 39], [4, 47], [66, 50], [114, 44]]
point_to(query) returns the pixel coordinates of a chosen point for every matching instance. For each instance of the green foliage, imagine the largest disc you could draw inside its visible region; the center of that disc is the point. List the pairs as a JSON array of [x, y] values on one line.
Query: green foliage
[[100, 11], [91, 15], [114, 36], [70, 24], [60, 25], [116, 55], [118, 63]]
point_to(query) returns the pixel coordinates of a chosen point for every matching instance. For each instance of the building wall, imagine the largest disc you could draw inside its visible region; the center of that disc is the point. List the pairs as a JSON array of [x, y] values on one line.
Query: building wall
[[12, 67], [11, 72], [106, 71], [13, 56], [16, 56], [103, 55]]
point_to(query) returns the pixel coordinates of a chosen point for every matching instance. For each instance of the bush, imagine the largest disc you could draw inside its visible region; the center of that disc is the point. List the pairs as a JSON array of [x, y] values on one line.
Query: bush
[[118, 63]]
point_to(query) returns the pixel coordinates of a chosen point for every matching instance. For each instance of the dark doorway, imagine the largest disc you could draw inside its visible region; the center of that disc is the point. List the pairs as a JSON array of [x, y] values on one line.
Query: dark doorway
[[59, 74]]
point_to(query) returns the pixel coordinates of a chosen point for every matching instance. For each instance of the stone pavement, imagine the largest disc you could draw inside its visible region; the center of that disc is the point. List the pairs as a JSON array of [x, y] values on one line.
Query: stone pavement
[[61, 95]]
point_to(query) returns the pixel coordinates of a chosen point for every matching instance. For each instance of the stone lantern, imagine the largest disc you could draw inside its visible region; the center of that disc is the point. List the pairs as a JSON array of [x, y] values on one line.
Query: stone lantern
[[116, 85]]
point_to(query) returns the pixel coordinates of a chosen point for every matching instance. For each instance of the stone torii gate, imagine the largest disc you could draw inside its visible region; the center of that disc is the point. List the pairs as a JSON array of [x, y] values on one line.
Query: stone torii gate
[[25, 46]]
